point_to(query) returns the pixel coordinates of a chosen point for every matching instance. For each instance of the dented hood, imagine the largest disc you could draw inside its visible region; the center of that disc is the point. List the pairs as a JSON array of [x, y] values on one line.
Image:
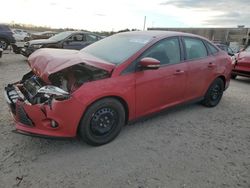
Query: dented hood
[[45, 62]]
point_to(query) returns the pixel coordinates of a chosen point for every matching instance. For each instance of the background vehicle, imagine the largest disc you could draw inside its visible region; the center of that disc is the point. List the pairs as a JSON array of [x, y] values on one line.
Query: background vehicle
[[242, 64], [95, 91], [21, 35], [66, 40], [225, 48], [6, 36], [43, 35]]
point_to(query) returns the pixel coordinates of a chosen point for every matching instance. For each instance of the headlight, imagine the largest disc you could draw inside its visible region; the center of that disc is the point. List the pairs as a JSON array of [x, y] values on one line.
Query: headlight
[[37, 46], [53, 91]]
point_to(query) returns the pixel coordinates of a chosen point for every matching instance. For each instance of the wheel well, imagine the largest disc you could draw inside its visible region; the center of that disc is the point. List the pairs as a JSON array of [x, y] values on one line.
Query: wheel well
[[5, 39], [125, 106], [223, 79]]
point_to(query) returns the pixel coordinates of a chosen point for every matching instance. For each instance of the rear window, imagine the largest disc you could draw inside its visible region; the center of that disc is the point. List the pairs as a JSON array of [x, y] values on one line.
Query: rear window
[[247, 49], [212, 48], [195, 48]]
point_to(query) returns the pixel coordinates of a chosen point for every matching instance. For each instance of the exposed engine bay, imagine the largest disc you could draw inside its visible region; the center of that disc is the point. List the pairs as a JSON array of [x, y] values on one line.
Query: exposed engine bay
[[35, 91]]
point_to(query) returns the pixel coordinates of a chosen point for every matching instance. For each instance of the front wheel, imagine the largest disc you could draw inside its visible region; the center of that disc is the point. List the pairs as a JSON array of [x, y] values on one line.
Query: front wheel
[[4, 44], [102, 122], [214, 93]]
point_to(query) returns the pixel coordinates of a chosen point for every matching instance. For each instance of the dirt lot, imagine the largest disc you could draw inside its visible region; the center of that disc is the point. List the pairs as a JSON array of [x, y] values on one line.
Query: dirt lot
[[186, 147]]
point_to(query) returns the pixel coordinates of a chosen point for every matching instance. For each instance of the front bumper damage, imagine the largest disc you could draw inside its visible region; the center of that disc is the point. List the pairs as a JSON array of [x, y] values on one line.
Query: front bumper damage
[[55, 119]]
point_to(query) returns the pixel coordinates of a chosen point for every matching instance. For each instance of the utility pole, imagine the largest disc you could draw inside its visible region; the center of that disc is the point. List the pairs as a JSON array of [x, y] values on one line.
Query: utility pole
[[144, 23]]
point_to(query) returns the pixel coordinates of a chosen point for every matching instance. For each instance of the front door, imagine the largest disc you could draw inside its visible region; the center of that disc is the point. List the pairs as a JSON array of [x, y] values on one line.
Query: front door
[[164, 87]]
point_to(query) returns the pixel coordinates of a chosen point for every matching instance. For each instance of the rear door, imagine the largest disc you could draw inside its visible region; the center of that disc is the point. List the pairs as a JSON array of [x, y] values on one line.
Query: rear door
[[201, 67], [158, 89]]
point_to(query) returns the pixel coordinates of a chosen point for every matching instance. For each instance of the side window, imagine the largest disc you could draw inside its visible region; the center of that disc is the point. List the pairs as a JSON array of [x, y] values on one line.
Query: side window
[[48, 34], [166, 51], [77, 37], [195, 48], [212, 49], [91, 38]]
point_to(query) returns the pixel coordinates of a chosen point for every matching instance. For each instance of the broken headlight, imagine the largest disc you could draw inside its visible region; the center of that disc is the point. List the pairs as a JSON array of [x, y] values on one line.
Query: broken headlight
[[53, 91]]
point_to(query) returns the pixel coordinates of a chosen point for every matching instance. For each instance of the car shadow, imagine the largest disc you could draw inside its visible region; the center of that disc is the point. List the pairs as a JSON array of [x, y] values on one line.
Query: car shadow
[[67, 144], [167, 111]]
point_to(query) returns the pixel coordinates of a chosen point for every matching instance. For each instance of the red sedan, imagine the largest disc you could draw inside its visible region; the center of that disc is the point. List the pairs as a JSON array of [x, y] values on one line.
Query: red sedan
[[120, 78], [242, 64]]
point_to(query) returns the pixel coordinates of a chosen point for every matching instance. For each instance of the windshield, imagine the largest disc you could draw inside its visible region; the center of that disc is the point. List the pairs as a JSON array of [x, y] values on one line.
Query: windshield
[[60, 36], [117, 48]]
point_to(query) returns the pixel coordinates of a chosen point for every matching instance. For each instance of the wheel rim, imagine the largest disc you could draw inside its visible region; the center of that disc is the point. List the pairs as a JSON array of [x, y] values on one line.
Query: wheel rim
[[215, 93], [103, 121], [3, 44]]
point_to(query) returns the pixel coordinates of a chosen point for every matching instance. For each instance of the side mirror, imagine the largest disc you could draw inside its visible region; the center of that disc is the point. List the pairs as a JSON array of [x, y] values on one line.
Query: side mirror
[[149, 63]]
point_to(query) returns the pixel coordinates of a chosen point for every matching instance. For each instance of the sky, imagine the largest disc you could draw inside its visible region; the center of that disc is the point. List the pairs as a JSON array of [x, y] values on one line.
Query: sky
[[114, 15]]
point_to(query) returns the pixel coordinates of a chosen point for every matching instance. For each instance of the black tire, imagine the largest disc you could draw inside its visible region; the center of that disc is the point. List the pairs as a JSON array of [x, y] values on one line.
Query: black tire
[[26, 39], [102, 122], [4, 43], [214, 93], [233, 76]]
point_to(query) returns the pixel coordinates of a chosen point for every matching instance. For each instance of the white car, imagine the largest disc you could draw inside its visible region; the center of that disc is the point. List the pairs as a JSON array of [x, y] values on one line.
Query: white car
[[21, 35]]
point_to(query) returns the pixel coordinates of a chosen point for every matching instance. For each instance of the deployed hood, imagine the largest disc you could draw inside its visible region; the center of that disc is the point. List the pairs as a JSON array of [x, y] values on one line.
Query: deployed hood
[[42, 41], [45, 62]]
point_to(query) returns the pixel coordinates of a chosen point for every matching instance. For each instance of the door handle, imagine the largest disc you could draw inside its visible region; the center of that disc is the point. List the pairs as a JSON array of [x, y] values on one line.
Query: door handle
[[179, 72], [211, 65]]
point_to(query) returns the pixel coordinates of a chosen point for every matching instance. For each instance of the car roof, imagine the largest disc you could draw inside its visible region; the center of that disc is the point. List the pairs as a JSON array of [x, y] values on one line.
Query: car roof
[[159, 34], [79, 32]]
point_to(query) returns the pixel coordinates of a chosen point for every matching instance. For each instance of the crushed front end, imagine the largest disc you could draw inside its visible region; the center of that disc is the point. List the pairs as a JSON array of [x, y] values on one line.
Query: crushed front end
[[49, 109], [42, 110], [42, 102]]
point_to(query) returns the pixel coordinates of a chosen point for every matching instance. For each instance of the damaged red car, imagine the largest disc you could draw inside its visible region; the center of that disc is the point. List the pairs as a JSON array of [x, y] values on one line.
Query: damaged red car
[[242, 64], [95, 91]]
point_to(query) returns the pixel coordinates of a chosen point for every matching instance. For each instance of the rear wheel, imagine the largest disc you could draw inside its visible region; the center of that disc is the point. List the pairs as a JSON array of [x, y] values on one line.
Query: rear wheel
[[26, 39], [4, 44], [214, 93], [102, 122]]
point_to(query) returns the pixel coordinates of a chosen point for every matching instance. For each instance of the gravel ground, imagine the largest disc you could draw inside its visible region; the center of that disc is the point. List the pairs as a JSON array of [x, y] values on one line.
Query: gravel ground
[[186, 147]]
